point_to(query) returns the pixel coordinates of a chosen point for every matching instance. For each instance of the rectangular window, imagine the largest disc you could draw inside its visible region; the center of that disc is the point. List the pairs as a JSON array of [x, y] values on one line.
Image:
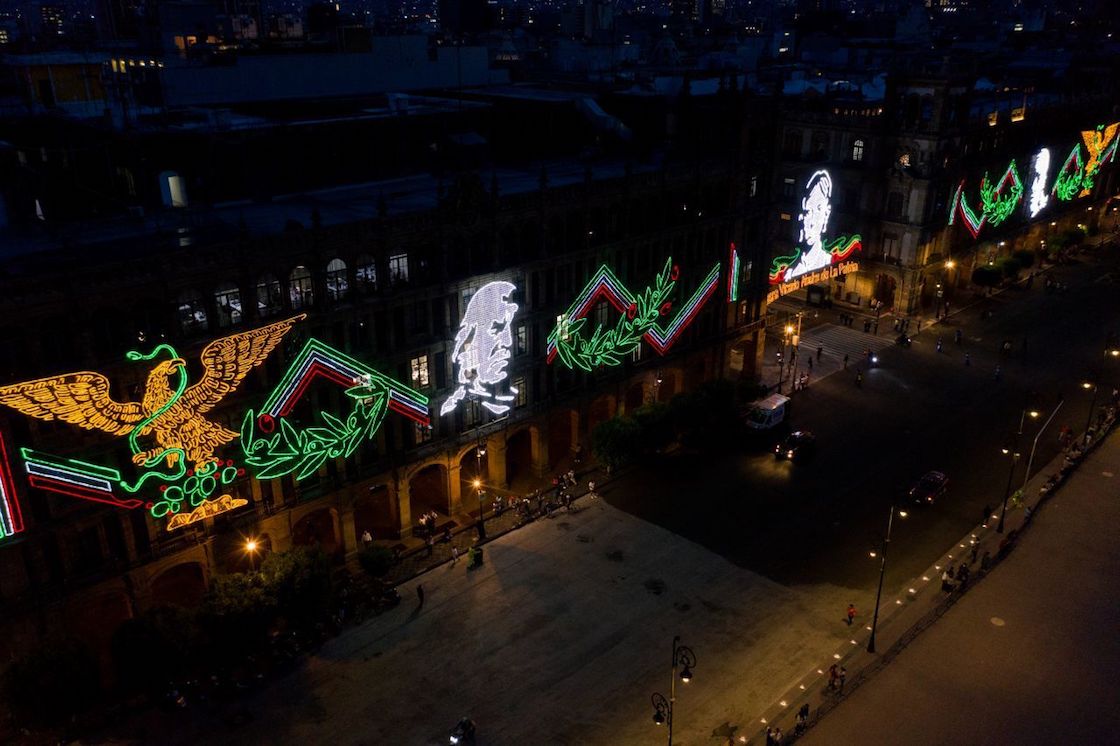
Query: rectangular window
[[599, 314], [520, 394], [636, 355], [418, 367], [441, 370], [521, 340], [754, 186], [890, 244], [421, 433], [787, 187], [398, 268], [857, 151]]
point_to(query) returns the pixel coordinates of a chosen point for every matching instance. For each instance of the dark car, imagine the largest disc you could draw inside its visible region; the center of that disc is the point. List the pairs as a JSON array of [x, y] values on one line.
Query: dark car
[[929, 487], [796, 445]]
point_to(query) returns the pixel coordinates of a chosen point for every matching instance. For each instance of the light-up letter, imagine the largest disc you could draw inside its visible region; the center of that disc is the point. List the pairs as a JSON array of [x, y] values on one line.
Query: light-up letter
[[482, 348], [1040, 172]]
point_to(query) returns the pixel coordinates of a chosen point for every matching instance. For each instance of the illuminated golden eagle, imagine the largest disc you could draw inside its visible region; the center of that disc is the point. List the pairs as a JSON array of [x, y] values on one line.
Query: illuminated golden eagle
[[169, 409]]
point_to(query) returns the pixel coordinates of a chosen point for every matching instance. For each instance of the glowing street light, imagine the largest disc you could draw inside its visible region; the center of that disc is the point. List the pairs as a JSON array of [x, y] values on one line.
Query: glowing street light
[[882, 571], [251, 547], [662, 707]]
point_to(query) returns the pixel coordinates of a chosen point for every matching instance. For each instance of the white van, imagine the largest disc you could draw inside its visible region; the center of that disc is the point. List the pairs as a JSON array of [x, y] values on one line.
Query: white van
[[766, 413]]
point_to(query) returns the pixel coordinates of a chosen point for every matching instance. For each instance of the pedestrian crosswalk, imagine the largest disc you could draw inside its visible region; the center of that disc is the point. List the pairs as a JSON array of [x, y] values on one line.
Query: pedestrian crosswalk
[[839, 341]]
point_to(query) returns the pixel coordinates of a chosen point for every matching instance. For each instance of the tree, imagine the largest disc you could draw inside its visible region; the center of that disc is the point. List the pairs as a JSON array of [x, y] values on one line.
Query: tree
[[1025, 257], [163, 644], [1010, 267], [615, 441], [986, 276], [375, 560], [300, 581]]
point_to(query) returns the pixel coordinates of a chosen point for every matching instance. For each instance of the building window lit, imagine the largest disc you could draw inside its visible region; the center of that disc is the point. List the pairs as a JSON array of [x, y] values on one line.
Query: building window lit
[[192, 312], [520, 394], [300, 288], [857, 151], [419, 370], [337, 282], [422, 433], [398, 269], [365, 274], [269, 298], [521, 340], [227, 299], [599, 313], [787, 187]]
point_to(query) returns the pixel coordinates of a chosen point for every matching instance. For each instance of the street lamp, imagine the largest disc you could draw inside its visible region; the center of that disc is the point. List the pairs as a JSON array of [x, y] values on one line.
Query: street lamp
[[1092, 401], [663, 708], [479, 452], [882, 571], [1030, 461], [251, 546], [1014, 451]]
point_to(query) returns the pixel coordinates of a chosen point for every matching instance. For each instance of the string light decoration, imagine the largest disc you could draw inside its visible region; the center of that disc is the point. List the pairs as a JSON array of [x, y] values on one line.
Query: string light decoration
[[1040, 172], [172, 413], [223, 504], [1101, 144], [288, 450], [999, 202], [814, 251], [733, 275], [996, 202], [11, 517], [482, 348], [74, 478], [1067, 184], [640, 318]]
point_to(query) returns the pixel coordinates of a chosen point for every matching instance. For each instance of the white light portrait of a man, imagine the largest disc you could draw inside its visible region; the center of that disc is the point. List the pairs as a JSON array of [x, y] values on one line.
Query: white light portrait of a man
[[483, 348]]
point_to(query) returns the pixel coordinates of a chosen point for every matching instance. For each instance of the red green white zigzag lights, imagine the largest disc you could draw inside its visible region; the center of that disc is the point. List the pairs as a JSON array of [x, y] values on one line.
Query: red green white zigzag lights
[[1074, 179], [11, 519]]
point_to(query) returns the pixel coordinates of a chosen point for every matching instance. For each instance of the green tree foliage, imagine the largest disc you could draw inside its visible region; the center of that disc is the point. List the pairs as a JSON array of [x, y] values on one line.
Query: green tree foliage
[[615, 441], [1025, 257], [986, 276], [375, 560], [1010, 267], [55, 681], [162, 645]]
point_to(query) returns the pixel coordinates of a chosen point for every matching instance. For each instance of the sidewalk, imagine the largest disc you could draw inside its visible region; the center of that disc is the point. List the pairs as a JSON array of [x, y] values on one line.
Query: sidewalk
[[902, 617]]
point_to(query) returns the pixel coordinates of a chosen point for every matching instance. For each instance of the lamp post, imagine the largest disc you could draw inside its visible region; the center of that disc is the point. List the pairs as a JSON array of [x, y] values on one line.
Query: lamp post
[[882, 571], [479, 452], [1030, 461], [1014, 451], [1095, 386], [663, 708]]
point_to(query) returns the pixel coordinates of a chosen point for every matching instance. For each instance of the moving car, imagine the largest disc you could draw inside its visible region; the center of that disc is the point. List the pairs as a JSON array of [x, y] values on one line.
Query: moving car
[[929, 487], [796, 446]]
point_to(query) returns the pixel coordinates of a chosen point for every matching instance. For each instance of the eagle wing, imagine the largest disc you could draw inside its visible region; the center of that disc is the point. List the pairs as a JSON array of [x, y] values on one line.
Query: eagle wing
[[80, 399], [228, 360]]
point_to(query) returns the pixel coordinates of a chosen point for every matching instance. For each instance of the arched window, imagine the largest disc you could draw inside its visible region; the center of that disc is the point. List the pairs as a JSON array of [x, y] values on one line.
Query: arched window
[[299, 288], [269, 299], [192, 312], [857, 151], [365, 274], [337, 282], [227, 299]]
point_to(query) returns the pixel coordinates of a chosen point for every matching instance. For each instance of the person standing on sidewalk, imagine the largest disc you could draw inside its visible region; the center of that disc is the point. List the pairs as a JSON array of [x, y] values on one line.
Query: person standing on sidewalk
[[851, 614], [420, 594], [967, 360], [820, 351], [843, 678], [454, 555], [833, 675]]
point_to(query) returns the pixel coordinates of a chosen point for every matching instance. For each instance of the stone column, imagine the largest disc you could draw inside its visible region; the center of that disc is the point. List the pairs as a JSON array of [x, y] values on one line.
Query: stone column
[[404, 510], [538, 445], [496, 460], [455, 488]]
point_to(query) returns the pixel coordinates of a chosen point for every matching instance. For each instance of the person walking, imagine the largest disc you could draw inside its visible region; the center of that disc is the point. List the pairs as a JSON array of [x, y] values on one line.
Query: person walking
[[810, 362], [367, 538], [778, 737], [939, 344], [998, 373], [845, 361], [420, 594], [957, 336], [842, 678], [851, 614], [591, 489], [967, 360], [769, 736], [428, 546], [802, 720], [820, 351], [833, 675], [859, 379]]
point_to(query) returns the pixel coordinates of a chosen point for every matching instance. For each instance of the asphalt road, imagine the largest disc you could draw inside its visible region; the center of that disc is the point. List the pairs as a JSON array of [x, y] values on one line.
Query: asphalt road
[[815, 522], [1006, 665]]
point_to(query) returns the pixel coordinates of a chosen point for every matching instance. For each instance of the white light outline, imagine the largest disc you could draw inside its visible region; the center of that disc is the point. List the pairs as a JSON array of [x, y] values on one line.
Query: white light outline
[[488, 307], [816, 209], [1040, 170]]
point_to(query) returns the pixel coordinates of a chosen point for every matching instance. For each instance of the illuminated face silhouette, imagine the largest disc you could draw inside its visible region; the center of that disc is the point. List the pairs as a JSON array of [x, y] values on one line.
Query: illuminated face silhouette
[[816, 208], [482, 348], [1040, 169]]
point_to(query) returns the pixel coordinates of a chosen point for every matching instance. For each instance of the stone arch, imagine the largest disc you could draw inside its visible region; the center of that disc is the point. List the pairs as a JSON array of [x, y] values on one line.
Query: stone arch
[[667, 384], [635, 396], [563, 434], [601, 409], [317, 528], [428, 490], [519, 454], [374, 511], [183, 585]]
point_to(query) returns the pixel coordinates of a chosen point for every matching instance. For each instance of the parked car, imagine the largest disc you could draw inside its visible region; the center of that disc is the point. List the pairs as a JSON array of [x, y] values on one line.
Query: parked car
[[930, 487], [796, 446]]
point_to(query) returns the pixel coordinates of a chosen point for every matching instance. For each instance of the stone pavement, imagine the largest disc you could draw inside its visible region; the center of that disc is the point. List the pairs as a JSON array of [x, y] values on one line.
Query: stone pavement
[[915, 607]]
